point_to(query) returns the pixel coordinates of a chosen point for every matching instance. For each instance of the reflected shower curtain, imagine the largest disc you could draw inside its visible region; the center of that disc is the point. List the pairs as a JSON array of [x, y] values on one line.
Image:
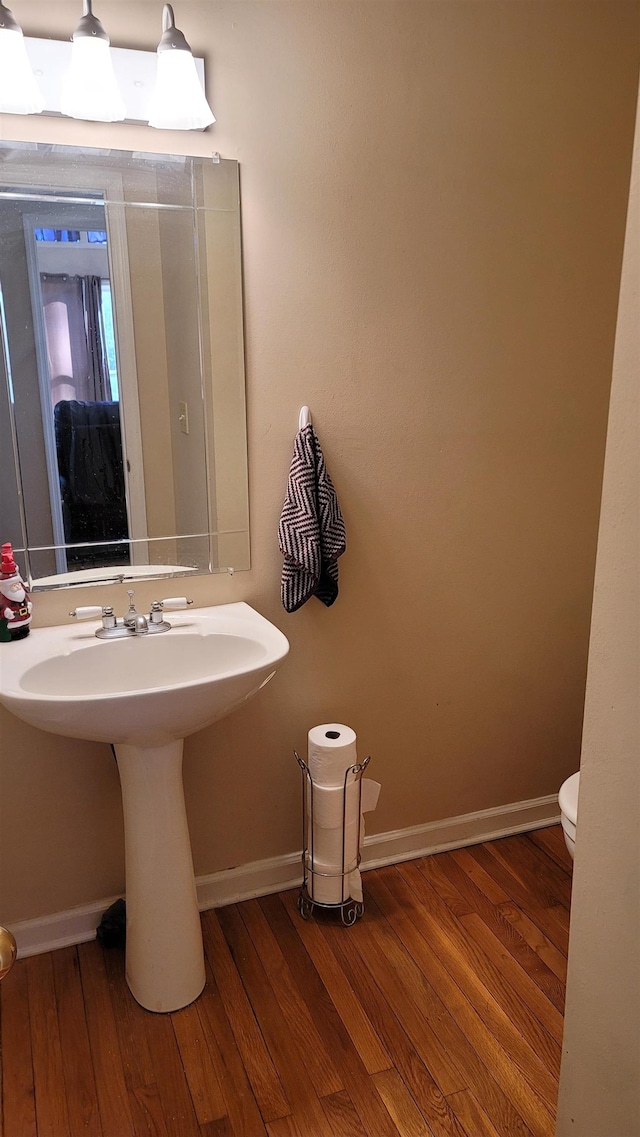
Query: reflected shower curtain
[[86, 421], [92, 490], [74, 331]]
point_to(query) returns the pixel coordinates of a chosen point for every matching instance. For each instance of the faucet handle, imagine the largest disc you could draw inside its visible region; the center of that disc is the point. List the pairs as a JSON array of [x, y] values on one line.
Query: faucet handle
[[155, 615], [89, 612]]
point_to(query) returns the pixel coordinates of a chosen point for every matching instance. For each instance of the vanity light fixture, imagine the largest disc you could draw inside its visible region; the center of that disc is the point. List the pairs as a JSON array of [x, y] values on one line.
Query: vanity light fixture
[[90, 80], [178, 101], [19, 91], [89, 87]]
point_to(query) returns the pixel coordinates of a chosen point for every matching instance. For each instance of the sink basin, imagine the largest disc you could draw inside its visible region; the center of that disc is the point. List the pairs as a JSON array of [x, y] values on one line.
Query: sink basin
[[145, 694], [147, 689]]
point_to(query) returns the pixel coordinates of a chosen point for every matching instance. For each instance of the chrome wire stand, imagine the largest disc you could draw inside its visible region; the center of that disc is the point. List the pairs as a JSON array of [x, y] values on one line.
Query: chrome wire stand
[[349, 909]]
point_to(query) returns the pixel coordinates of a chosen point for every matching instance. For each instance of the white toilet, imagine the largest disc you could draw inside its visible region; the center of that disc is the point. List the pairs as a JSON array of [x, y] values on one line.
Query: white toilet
[[568, 802]]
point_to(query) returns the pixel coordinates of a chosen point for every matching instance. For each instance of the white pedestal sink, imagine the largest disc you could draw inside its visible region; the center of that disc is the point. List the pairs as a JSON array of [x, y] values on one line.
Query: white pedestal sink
[[145, 694]]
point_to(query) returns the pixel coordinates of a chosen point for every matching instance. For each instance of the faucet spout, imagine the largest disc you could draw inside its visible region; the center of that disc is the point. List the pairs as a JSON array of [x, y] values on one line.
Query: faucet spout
[[141, 627]]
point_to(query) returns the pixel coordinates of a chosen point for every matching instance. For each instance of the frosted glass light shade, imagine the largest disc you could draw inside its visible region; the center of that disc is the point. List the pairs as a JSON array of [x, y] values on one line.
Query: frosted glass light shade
[[178, 101], [89, 88], [19, 92]]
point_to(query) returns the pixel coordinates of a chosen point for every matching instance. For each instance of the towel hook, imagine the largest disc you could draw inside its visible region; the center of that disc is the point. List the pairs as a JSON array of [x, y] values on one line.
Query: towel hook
[[305, 417]]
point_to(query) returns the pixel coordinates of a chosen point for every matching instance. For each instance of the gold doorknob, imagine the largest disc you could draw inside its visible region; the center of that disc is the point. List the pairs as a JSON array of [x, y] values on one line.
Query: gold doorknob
[[8, 952]]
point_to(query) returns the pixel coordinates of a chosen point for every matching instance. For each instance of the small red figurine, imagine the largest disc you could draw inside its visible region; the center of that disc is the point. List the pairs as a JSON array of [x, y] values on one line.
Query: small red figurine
[[15, 605]]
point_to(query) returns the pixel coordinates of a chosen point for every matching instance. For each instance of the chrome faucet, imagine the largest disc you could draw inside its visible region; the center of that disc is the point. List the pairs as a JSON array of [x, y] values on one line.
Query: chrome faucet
[[133, 623]]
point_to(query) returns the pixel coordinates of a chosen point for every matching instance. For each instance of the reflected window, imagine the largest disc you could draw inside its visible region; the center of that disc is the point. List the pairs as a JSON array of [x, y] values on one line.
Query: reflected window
[[60, 236], [109, 337]]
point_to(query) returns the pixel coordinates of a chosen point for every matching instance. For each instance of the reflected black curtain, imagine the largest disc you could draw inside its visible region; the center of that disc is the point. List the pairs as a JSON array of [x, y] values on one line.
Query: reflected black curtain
[[89, 449], [98, 371]]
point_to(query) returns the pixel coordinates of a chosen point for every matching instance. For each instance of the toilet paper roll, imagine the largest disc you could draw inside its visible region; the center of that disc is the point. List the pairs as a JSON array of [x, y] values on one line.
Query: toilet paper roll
[[331, 751], [325, 886], [329, 804], [336, 799], [327, 846]]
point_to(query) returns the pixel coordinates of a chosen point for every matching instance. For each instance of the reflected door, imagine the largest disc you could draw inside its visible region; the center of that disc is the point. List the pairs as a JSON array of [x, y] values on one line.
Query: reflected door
[[74, 332]]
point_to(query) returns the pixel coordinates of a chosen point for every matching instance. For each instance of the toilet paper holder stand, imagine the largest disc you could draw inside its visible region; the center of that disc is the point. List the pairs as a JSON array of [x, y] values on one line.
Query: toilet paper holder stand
[[349, 909]]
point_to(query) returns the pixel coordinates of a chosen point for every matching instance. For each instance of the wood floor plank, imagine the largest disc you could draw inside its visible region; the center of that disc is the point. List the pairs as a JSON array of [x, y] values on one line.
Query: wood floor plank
[[504, 930], [540, 862], [287, 1058], [342, 1115], [130, 1019], [464, 1059], [221, 1127], [537, 872], [351, 1011], [389, 984], [483, 880], [242, 1108], [146, 1112], [526, 991], [439, 870], [282, 918], [200, 1072], [267, 1087], [79, 1077], [111, 1089], [507, 1013], [473, 1118], [18, 1096], [286, 922], [304, 1035], [553, 842], [177, 1106], [399, 904], [549, 920], [357, 959], [404, 1112], [370, 1107], [538, 942], [547, 845], [52, 1113], [283, 1127]]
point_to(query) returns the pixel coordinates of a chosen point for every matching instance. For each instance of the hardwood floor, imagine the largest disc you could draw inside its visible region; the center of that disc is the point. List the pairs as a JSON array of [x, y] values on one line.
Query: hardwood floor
[[439, 1013]]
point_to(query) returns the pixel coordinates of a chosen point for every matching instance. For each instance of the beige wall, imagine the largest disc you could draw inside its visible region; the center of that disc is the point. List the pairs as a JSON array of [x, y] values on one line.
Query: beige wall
[[433, 200], [600, 1081]]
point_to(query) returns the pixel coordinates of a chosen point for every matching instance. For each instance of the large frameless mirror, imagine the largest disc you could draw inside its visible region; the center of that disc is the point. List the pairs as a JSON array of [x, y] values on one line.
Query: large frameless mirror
[[123, 432]]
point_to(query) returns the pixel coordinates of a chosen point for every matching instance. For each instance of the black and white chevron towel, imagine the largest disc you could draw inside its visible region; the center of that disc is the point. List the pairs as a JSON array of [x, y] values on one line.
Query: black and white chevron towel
[[311, 531]]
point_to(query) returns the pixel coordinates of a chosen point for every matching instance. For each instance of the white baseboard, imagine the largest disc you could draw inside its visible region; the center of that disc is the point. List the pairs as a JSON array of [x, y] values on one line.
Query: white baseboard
[[259, 878], [456, 832], [60, 929]]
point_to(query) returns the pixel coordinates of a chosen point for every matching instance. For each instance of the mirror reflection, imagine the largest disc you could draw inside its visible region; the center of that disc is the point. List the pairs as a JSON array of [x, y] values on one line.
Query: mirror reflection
[[124, 441], [73, 309]]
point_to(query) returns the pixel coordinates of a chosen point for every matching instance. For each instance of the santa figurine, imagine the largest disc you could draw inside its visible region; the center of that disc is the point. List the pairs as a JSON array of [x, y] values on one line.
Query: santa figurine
[[15, 606]]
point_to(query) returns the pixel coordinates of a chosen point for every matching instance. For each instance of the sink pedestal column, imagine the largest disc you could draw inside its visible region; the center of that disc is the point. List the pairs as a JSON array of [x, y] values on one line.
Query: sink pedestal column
[[164, 956]]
